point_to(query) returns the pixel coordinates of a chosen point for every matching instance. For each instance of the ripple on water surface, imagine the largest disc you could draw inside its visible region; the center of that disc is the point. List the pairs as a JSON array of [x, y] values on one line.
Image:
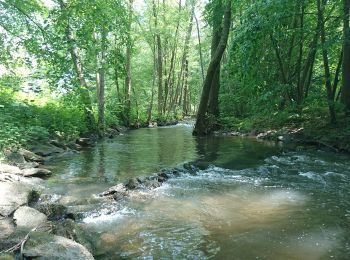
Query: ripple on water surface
[[248, 201]]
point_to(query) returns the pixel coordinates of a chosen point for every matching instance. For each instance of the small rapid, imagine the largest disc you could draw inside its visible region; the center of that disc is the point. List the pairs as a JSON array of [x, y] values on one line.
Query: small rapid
[[242, 199]]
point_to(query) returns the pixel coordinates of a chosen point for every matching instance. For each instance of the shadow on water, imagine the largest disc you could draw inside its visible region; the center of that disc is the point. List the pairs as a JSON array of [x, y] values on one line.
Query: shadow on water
[[248, 200]]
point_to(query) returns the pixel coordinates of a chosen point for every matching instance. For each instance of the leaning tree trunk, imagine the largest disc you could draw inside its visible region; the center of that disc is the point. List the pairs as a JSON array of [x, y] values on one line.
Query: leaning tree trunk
[[213, 104], [345, 94], [202, 127]]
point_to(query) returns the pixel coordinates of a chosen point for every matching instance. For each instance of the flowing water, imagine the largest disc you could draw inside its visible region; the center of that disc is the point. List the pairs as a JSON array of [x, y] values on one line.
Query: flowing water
[[248, 200]]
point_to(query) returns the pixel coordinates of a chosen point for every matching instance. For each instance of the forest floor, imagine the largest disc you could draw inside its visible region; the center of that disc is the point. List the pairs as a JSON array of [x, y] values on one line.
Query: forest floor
[[315, 131]]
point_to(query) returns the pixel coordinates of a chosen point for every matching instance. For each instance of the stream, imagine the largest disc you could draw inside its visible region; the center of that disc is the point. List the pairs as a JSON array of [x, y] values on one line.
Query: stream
[[247, 200]]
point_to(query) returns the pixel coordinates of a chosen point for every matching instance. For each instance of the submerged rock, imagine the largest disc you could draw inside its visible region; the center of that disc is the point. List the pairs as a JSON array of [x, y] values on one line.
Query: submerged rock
[[46, 246], [26, 217]]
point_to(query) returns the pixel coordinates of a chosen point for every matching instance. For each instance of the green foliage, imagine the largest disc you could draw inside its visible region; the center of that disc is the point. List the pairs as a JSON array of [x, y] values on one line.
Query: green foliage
[[26, 122]]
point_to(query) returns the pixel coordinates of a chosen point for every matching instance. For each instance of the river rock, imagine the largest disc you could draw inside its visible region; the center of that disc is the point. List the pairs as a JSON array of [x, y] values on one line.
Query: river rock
[[15, 157], [133, 184], [59, 144], [5, 168], [27, 217], [36, 172], [28, 165], [46, 150], [84, 141], [30, 156], [119, 188], [53, 211], [45, 246], [6, 228], [12, 196], [74, 146]]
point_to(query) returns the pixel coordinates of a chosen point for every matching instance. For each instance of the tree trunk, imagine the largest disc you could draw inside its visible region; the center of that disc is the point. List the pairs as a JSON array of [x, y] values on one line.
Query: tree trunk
[[183, 60], [79, 69], [128, 85], [201, 126], [213, 105], [330, 97], [200, 46], [345, 92], [100, 82], [172, 62]]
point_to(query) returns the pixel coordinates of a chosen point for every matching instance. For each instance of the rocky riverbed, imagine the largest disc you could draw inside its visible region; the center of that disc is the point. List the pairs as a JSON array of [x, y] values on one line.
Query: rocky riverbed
[[36, 223], [32, 224]]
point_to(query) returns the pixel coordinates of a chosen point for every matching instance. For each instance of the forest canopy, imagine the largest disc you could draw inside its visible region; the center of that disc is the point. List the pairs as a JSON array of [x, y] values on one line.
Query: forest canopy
[[68, 67]]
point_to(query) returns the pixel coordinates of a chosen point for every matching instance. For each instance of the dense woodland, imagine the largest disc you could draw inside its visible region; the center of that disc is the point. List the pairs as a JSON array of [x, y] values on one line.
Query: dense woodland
[[69, 67]]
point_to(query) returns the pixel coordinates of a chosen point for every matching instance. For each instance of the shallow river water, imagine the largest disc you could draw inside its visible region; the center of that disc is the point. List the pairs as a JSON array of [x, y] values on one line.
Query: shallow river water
[[248, 200]]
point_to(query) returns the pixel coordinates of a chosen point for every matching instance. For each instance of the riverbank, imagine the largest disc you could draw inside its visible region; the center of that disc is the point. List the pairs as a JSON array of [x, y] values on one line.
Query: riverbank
[[305, 131], [31, 223]]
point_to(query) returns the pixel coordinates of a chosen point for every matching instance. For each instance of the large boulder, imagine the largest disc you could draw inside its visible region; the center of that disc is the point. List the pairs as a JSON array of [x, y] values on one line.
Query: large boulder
[[30, 156], [12, 196], [46, 150], [46, 246], [26, 217], [36, 172]]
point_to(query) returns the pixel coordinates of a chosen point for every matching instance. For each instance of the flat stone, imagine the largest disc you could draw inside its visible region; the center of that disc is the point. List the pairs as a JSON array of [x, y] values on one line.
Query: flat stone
[[6, 168], [28, 165], [12, 196], [46, 150], [46, 246], [36, 172], [30, 156], [27, 217]]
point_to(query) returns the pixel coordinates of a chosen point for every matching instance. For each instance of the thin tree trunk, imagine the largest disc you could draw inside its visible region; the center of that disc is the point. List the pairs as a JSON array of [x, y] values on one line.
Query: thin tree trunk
[[149, 117], [345, 92], [200, 46], [172, 62], [79, 69], [128, 86], [100, 82], [328, 83], [201, 126], [184, 57]]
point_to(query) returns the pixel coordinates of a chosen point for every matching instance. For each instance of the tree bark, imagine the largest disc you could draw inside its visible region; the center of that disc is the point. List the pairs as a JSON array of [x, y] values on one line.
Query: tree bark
[[100, 82], [201, 126], [330, 97], [79, 69], [200, 46], [345, 92], [128, 86], [213, 105]]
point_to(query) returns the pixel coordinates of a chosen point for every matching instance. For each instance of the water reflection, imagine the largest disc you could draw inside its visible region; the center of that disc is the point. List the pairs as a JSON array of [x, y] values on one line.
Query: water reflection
[[249, 200], [145, 151]]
